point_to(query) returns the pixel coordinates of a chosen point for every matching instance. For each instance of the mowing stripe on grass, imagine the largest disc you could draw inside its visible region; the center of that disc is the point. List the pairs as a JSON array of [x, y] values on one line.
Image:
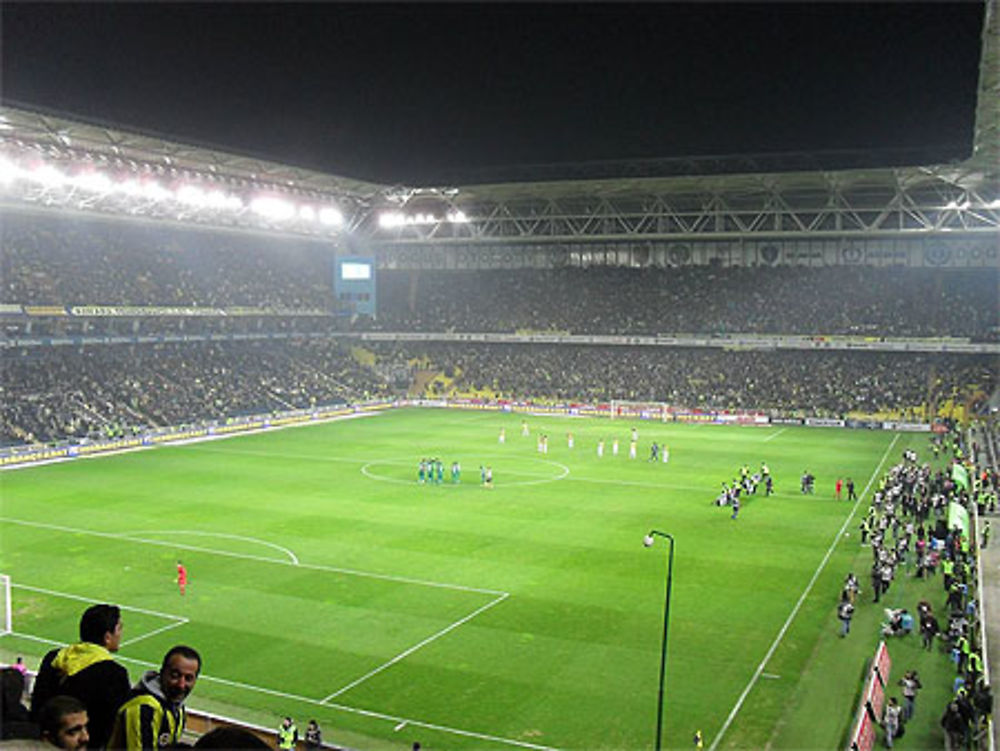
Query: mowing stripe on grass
[[92, 601], [413, 649], [397, 721], [798, 605], [260, 559], [291, 556], [178, 620]]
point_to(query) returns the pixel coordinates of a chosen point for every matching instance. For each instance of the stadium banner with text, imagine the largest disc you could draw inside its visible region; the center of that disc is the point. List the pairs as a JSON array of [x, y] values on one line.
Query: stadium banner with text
[[24, 455], [869, 712], [907, 427], [823, 422]]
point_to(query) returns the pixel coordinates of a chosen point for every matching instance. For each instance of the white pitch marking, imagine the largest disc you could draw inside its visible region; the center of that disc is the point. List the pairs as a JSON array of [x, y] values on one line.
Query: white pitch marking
[[413, 649], [259, 559], [400, 726], [774, 435], [798, 605], [160, 630], [294, 558], [92, 601], [772, 676], [315, 702]]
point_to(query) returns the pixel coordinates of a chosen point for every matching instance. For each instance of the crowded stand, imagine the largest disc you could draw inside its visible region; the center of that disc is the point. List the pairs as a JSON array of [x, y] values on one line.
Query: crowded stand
[[110, 391], [827, 383], [854, 300], [60, 261]]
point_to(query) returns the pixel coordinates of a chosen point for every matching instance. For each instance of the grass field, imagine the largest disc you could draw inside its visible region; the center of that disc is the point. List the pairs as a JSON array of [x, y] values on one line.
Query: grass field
[[325, 582]]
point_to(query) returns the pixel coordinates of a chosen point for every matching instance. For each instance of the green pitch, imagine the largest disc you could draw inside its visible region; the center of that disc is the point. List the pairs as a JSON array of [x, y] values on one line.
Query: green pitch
[[325, 582]]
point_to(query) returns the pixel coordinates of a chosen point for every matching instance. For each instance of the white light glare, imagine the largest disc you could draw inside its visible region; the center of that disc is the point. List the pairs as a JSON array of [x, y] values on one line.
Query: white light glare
[[272, 208], [48, 176], [307, 212], [394, 219], [330, 217], [95, 182], [191, 195], [458, 217], [8, 171]]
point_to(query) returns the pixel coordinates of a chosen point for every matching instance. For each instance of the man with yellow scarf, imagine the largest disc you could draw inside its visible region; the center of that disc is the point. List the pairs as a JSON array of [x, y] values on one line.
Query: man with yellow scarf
[[87, 671]]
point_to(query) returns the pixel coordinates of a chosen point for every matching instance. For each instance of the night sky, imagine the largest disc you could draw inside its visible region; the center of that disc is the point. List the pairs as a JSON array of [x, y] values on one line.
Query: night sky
[[421, 92]]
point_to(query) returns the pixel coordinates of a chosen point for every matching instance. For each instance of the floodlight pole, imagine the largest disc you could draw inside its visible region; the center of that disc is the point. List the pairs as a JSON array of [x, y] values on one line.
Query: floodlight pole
[[648, 541]]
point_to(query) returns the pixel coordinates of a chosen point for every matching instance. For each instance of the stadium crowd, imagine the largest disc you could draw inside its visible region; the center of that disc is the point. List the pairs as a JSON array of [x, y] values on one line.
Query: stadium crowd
[[696, 299], [62, 261], [108, 391], [826, 383]]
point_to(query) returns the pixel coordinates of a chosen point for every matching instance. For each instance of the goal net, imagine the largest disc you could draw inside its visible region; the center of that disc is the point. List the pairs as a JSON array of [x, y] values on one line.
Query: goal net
[[6, 621], [627, 410]]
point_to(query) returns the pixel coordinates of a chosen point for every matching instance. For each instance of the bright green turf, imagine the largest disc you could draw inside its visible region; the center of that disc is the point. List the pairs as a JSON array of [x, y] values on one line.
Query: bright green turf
[[568, 659]]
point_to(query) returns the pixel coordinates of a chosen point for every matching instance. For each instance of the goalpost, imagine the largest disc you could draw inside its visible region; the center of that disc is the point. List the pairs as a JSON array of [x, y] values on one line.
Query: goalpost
[[6, 620], [622, 409]]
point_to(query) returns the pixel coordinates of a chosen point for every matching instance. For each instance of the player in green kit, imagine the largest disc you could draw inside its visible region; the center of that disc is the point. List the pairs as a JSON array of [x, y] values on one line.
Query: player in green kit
[[439, 470], [421, 471], [456, 472]]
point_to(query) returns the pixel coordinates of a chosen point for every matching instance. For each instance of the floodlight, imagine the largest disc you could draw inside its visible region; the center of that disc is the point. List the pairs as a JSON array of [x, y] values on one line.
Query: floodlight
[[97, 182], [272, 208], [390, 220], [48, 176], [192, 195], [307, 212], [330, 216], [8, 171], [458, 217]]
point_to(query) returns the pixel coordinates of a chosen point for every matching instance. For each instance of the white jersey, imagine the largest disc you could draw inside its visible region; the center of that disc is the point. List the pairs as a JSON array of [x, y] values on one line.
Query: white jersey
[[614, 447], [600, 449], [632, 449], [665, 454]]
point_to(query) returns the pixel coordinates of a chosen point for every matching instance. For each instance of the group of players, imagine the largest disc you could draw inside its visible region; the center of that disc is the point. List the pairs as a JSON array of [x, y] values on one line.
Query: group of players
[[431, 472], [745, 485], [657, 452]]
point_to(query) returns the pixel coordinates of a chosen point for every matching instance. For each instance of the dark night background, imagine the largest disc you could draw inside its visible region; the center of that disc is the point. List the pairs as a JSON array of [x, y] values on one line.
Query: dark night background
[[423, 92]]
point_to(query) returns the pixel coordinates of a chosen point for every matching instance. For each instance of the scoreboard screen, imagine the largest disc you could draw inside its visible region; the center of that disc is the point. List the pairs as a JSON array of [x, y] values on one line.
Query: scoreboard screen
[[354, 285], [351, 270]]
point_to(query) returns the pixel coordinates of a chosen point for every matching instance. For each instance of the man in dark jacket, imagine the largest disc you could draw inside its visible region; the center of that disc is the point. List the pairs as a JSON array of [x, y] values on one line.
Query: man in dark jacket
[[87, 671]]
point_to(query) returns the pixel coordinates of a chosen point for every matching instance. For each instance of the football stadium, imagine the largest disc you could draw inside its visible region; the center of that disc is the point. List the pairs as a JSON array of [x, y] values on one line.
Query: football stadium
[[702, 454]]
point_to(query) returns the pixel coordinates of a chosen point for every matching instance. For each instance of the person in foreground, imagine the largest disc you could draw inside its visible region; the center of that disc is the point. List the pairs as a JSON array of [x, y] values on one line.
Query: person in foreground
[[154, 716], [87, 671], [63, 722]]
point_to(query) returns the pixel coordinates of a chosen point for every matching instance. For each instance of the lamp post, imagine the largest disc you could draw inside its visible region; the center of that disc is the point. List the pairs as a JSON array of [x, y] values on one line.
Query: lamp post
[[648, 542]]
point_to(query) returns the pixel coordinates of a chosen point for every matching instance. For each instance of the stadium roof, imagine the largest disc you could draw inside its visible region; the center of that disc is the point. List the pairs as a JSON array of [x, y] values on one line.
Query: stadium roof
[[58, 137]]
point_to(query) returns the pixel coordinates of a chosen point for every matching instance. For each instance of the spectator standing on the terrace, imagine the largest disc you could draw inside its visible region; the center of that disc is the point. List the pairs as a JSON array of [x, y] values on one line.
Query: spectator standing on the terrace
[[154, 715], [314, 737], [288, 735], [87, 671]]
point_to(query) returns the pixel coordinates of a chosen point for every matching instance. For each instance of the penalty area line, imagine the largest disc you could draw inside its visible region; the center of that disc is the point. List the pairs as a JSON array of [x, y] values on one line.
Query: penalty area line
[[402, 655], [798, 606]]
